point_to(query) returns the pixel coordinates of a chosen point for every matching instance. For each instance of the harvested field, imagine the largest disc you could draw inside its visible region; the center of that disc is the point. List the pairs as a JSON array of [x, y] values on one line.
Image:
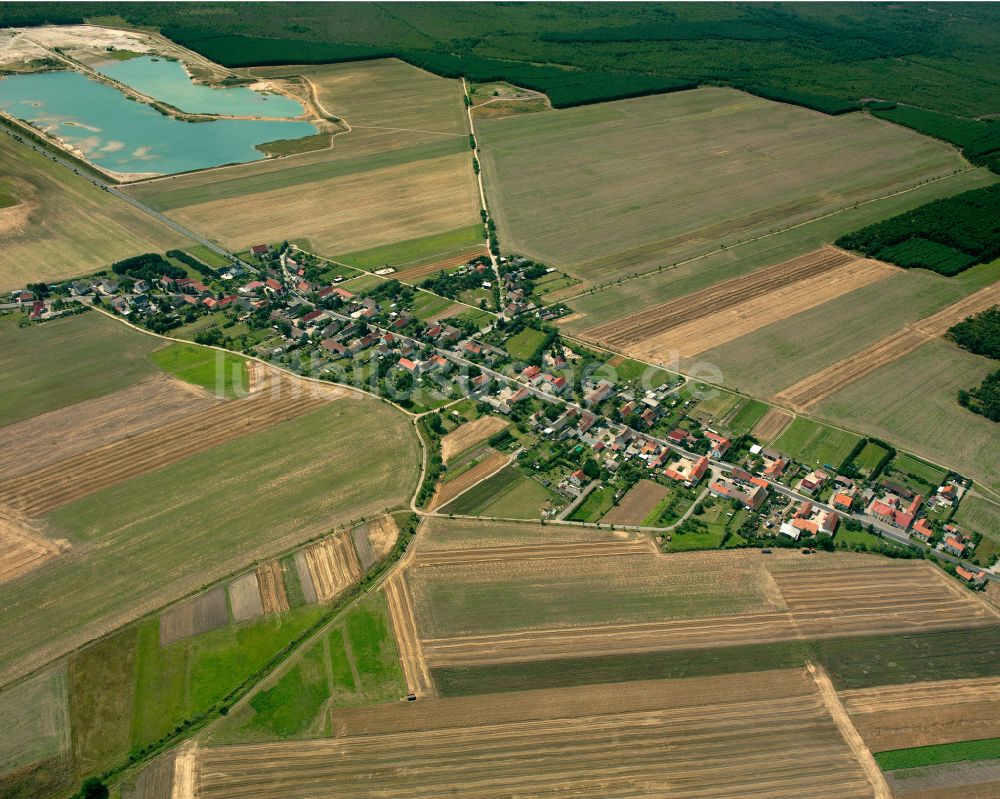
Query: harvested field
[[383, 533], [244, 597], [362, 546], [925, 713], [908, 597], [674, 176], [689, 744], [115, 462], [968, 780], [333, 566], [447, 534], [305, 577], [404, 628], [470, 434], [272, 587], [22, 546], [553, 551], [50, 437], [725, 296], [637, 504], [36, 721], [482, 470], [374, 207], [772, 425], [155, 781], [194, 616], [820, 385]]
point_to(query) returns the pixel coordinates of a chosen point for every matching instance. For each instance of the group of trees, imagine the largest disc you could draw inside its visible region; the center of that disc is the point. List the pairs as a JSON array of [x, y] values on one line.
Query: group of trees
[[980, 333], [149, 267], [946, 235]]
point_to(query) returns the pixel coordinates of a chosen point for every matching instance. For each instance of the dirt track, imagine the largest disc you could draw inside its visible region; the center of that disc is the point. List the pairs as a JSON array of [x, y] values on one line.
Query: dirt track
[[404, 627], [44, 489], [638, 327], [469, 434], [692, 744], [822, 384]]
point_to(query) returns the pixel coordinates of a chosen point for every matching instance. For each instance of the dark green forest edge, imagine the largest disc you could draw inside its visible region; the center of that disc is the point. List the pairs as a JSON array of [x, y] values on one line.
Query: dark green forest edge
[[981, 334], [835, 58]]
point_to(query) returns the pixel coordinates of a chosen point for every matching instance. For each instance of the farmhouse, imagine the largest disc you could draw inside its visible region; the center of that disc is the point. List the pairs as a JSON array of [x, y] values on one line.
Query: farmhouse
[[922, 531], [686, 470], [977, 577], [750, 496], [813, 519], [813, 482], [598, 393], [719, 444]]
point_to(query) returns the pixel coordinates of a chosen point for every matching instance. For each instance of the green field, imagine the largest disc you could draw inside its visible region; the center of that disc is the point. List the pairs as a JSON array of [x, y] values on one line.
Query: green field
[[535, 594], [598, 502], [924, 477], [815, 444], [35, 721], [426, 305], [979, 514], [779, 355], [222, 373], [748, 414], [507, 494], [8, 196], [207, 256], [870, 456], [355, 663], [634, 295], [213, 512], [65, 361], [672, 176], [912, 403], [565, 673], [983, 749], [525, 345], [64, 226], [416, 252]]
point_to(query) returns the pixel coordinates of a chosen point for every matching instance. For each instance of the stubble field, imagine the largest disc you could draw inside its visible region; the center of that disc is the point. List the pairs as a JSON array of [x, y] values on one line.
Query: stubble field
[[613, 189], [63, 226]]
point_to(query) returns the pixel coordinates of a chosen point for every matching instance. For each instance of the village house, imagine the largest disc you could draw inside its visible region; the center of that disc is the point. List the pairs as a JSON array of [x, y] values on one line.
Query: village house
[[686, 470], [975, 577], [719, 445], [598, 393], [922, 531], [749, 496], [813, 519], [336, 348], [813, 482]]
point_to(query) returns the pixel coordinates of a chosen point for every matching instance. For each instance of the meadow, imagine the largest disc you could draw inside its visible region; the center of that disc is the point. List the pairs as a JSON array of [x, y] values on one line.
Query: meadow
[[912, 403], [215, 511], [618, 300], [621, 188], [62, 225], [815, 444], [222, 373], [66, 361]]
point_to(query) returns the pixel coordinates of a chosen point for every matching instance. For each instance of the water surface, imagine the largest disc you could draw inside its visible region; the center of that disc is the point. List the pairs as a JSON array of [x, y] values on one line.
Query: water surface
[[123, 135]]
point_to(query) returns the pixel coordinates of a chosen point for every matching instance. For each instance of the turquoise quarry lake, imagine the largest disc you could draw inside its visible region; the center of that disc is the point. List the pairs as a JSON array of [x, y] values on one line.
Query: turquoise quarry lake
[[122, 135], [169, 82]]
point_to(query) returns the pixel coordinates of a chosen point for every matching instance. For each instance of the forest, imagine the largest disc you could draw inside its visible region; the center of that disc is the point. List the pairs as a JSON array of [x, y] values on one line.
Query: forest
[[946, 236], [980, 333], [936, 57]]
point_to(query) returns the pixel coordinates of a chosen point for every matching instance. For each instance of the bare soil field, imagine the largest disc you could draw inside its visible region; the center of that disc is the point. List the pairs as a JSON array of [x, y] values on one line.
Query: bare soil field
[[383, 533], [674, 176], [826, 382], [272, 587], [155, 781], [925, 713], [607, 745], [333, 566], [485, 468], [404, 628], [88, 472], [446, 534], [374, 207], [244, 597], [305, 577], [50, 437], [363, 547], [470, 434], [637, 504], [417, 273], [727, 324], [194, 616], [771, 425], [660, 318], [23, 547]]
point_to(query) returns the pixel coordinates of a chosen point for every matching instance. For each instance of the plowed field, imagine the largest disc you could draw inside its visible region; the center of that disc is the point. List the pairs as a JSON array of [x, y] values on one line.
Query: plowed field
[[404, 627], [333, 566], [469, 434], [637, 504], [486, 467], [772, 425], [826, 382], [691, 744]]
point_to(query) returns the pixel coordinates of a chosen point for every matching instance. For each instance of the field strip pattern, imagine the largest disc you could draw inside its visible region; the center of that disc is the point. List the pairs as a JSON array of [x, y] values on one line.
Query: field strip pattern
[[482, 470], [413, 273], [333, 566], [822, 384], [921, 695], [771, 425], [44, 489], [408, 644], [21, 549], [533, 552], [691, 752], [655, 320], [469, 434], [732, 322]]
